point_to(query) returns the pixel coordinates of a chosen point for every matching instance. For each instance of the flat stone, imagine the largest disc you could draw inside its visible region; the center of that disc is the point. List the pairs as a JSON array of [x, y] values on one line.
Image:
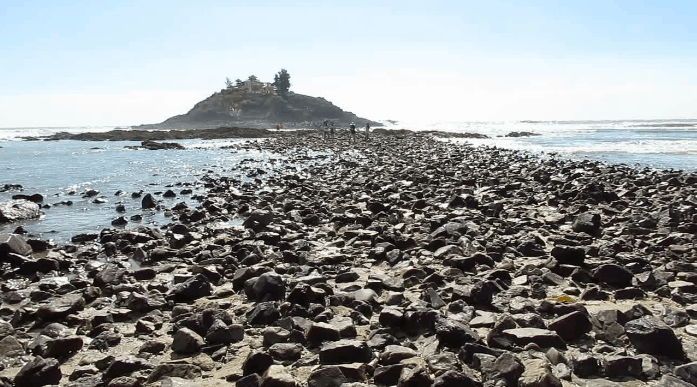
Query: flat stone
[[542, 337]]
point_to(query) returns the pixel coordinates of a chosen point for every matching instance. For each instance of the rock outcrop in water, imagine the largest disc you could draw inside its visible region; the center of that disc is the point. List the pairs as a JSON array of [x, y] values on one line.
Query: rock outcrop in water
[[256, 110], [401, 261], [18, 209]]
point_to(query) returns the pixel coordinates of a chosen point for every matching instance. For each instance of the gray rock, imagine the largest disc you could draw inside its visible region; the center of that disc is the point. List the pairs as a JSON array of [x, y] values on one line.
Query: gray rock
[[175, 370], [187, 341], [687, 372], [542, 337], [330, 376], [671, 381], [345, 351], [39, 372], [277, 376], [20, 209], [455, 379], [586, 222], [571, 326], [538, 373], [10, 347], [415, 377], [650, 335], [61, 307], [619, 366], [194, 288], [614, 275], [15, 244]]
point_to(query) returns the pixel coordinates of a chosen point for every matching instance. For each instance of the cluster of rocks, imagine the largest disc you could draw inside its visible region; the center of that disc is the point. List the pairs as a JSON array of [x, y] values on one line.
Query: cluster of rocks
[[402, 261]]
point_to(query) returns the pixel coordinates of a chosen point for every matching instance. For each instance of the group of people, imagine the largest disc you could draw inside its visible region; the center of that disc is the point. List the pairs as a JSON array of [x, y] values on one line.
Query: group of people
[[328, 131]]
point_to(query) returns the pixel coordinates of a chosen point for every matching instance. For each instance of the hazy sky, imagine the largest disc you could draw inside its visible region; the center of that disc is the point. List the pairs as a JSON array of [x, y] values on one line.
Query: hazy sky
[[130, 62]]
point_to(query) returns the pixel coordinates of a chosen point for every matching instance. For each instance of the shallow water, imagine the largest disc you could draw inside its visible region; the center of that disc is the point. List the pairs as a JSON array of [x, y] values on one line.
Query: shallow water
[[664, 144], [64, 170]]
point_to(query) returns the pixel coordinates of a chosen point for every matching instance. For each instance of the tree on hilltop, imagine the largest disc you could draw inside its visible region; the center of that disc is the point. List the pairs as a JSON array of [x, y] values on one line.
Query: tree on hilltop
[[282, 82], [253, 78], [228, 83], [239, 82]]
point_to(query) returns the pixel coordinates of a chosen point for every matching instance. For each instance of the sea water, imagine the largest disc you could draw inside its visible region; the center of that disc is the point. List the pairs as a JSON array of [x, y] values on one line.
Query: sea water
[[64, 170], [662, 144]]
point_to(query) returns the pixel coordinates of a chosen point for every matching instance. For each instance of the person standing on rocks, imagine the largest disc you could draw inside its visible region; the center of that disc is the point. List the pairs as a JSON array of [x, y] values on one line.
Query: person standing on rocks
[[325, 129], [367, 130], [352, 129]]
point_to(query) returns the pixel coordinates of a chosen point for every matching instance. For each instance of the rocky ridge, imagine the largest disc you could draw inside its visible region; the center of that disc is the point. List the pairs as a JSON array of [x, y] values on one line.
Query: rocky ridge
[[402, 261]]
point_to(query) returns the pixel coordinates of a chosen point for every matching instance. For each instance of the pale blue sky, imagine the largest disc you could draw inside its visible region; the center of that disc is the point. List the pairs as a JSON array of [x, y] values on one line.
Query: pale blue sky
[[130, 62]]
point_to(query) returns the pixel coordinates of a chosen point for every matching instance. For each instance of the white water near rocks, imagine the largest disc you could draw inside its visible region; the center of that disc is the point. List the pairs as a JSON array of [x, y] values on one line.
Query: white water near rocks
[[62, 170]]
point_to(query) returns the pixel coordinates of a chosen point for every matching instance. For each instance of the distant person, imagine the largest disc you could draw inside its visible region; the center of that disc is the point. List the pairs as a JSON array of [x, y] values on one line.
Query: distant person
[[352, 129], [367, 130], [325, 129], [278, 126], [332, 130]]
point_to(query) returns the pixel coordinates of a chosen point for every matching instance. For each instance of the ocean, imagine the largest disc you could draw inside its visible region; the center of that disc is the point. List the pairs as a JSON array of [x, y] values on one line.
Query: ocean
[[63, 171]]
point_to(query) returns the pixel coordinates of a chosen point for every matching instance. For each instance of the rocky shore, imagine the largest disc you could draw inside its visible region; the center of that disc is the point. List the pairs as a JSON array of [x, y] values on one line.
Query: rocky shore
[[404, 260]]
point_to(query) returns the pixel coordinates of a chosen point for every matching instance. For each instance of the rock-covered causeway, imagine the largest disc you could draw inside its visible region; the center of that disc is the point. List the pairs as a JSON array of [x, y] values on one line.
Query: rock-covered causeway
[[404, 260]]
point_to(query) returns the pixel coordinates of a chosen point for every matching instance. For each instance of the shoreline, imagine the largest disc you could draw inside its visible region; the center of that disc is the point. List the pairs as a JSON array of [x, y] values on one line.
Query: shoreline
[[399, 259], [233, 133]]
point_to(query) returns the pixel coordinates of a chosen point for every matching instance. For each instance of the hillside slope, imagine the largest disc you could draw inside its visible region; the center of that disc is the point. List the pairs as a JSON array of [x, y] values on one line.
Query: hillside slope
[[254, 110]]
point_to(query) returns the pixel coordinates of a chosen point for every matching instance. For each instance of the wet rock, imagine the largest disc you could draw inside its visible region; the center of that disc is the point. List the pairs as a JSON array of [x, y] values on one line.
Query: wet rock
[[148, 202], [650, 335], [16, 210], [39, 372]]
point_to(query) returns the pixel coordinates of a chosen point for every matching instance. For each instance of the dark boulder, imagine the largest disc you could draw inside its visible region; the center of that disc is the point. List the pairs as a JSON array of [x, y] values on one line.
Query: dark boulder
[[650, 335], [39, 372], [586, 222]]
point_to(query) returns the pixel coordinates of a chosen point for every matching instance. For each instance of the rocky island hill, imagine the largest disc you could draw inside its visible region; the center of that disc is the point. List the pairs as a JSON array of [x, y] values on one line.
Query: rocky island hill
[[256, 104]]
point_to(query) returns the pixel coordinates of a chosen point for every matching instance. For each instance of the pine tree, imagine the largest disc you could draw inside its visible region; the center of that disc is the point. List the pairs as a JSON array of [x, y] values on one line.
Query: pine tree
[[228, 83], [282, 82]]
